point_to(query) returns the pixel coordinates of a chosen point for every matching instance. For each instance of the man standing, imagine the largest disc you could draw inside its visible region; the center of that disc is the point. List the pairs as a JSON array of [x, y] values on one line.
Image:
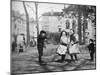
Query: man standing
[[40, 44]]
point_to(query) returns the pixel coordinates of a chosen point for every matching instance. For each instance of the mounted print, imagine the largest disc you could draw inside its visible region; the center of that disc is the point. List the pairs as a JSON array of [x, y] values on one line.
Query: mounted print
[[52, 37]]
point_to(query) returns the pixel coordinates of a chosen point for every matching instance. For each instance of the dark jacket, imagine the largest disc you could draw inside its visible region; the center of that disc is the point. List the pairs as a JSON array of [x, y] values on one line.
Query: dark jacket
[[91, 47], [40, 41]]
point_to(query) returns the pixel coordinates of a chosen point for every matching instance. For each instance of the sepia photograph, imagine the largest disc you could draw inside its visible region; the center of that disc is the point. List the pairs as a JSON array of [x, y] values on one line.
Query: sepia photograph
[[52, 37]]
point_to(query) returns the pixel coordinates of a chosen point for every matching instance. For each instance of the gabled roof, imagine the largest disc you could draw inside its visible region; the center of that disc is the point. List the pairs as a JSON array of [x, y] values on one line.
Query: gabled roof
[[52, 14]]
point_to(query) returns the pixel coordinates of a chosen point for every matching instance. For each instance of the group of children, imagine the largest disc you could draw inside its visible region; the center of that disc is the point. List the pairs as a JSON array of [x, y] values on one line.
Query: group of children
[[19, 44], [68, 44]]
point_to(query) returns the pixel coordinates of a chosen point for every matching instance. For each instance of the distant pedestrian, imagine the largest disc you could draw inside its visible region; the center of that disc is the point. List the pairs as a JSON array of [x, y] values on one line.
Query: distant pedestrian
[[24, 40], [13, 46], [91, 48], [62, 48], [21, 49], [40, 44]]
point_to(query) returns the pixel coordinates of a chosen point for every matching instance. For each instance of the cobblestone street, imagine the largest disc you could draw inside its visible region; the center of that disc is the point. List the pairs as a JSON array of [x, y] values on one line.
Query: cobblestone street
[[27, 62]]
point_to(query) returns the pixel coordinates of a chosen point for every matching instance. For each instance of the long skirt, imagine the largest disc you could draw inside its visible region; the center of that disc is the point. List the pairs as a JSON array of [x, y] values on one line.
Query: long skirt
[[61, 50], [74, 49]]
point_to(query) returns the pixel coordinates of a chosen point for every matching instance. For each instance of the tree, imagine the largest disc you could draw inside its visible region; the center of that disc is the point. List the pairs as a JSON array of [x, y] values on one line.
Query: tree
[[15, 15], [81, 10], [36, 7], [27, 23], [84, 11]]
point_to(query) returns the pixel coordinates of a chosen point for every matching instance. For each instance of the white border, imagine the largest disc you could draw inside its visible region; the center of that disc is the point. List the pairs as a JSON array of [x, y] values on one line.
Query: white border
[[5, 36]]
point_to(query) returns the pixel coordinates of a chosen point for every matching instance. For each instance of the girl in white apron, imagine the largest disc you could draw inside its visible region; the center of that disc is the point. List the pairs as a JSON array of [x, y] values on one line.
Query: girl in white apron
[[62, 48], [74, 46]]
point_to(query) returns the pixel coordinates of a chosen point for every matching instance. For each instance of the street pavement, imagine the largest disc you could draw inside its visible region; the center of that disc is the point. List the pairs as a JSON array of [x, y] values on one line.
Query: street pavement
[[27, 62]]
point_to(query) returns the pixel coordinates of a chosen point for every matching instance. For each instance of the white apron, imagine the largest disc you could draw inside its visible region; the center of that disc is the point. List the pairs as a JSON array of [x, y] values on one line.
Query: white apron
[[62, 49], [74, 49]]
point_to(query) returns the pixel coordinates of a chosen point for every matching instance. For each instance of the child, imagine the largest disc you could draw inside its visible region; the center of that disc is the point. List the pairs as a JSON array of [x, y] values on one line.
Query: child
[[40, 44], [21, 49], [62, 48], [74, 50], [91, 49], [74, 47]]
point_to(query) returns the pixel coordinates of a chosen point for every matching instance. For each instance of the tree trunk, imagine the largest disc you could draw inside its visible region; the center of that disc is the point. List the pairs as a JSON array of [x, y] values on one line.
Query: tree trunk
[[79, 25], [36, 7], [27, 25], [84, 27]]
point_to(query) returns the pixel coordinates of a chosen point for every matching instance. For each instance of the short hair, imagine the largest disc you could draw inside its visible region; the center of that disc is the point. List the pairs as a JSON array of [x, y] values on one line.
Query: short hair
[[42, 31]]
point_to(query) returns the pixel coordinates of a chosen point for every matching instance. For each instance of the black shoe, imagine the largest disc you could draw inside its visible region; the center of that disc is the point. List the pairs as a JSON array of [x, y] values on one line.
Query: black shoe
[[42, 63], [76, 59], [61, 61], [91, 59], [72, 61]]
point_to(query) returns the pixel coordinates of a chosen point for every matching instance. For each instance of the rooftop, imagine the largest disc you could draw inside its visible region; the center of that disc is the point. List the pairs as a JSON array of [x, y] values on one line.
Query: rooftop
[[52, 14]]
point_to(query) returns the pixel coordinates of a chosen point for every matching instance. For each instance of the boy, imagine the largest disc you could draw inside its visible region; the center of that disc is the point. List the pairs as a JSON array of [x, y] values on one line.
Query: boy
[[91, 49], [40, 44]]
